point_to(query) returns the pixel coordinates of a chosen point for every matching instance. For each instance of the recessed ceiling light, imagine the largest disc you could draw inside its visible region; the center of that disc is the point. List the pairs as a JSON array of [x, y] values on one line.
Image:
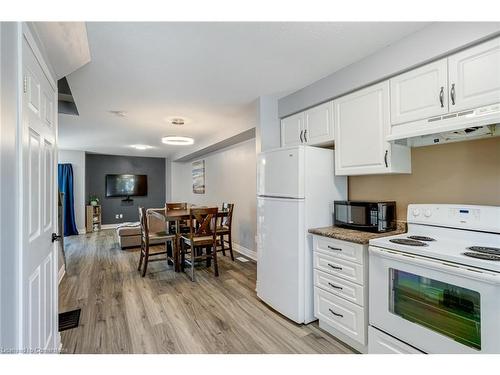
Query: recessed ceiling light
[[175, 140], [141, 147], [118, 113], [177, 121]]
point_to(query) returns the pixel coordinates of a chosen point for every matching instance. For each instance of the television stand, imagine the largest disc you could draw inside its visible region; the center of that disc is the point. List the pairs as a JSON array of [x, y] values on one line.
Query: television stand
[[128, 199]]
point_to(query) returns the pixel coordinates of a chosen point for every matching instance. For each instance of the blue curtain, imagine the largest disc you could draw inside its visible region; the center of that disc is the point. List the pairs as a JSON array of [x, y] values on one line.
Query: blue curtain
[[65, 180]]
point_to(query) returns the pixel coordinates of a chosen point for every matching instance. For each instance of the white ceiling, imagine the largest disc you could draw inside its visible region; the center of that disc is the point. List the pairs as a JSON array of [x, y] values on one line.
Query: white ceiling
[[209, 73]]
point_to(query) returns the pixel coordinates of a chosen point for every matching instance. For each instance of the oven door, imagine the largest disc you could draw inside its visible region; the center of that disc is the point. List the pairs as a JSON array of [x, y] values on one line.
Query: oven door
[[435, 306]]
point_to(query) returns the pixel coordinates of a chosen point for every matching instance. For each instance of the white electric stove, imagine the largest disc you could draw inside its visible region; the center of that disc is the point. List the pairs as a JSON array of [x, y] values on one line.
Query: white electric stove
[[436, 289]]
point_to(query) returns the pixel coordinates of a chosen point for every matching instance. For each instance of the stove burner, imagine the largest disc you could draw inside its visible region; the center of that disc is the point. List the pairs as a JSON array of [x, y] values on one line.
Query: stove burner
[[482, 256], [485, 250], [409, 242], [422, 238]]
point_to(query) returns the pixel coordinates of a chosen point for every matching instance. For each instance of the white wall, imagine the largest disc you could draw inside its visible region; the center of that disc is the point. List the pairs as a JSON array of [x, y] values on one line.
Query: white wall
[[230, 176], [77, 160]]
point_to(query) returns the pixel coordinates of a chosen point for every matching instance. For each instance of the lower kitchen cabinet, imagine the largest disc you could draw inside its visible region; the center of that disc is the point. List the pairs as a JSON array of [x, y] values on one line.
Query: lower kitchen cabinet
[[340, 290]]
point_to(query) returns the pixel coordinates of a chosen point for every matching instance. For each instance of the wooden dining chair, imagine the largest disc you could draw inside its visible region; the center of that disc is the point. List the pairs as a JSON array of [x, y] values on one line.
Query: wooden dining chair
[[225, 228], [183, 225], [147, 237], [201, 237]]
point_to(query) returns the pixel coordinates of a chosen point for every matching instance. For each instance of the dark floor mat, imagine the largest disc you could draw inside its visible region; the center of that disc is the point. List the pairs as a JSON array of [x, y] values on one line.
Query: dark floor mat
[[69, 319]]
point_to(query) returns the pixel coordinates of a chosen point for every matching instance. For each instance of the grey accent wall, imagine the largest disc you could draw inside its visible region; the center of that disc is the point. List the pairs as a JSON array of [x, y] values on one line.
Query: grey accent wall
[[430, 43], [97, 166]]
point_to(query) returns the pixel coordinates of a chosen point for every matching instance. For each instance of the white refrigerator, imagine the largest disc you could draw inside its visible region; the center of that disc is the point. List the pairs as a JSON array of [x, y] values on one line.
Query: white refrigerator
[[296, 187]]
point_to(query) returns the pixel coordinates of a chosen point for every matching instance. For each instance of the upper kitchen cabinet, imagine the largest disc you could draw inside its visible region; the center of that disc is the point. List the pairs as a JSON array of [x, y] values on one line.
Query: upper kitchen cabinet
[[292, 130], [420, 93], [474, 76], [318, 125], [362, 122], [313, 127]]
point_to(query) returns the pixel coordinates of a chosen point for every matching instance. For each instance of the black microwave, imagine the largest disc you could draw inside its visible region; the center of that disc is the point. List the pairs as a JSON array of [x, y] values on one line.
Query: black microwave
[[365, 216]]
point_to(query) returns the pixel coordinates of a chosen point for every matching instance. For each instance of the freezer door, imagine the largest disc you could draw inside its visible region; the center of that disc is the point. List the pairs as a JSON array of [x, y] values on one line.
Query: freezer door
[[280, 173], [280, 250]]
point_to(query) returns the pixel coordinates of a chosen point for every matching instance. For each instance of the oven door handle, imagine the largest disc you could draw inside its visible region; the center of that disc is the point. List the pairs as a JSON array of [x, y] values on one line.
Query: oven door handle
[[442, 266]]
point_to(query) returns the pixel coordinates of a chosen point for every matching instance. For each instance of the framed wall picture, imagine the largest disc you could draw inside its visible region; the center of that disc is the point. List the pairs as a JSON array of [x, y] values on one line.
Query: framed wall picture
[[199, 177]]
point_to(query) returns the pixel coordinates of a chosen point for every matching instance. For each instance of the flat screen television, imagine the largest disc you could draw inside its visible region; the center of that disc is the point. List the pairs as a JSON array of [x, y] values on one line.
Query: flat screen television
[[126, 185]]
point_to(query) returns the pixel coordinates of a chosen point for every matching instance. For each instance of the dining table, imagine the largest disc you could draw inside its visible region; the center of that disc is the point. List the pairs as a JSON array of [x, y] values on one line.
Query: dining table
[[178, 215]]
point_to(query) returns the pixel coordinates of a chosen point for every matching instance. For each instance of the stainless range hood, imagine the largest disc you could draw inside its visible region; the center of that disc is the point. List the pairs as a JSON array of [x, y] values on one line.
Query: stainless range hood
[[476, 123]]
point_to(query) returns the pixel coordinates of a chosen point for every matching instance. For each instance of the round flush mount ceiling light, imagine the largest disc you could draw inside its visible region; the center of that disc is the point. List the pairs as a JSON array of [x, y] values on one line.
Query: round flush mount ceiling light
[[178, 141], [141, 147]]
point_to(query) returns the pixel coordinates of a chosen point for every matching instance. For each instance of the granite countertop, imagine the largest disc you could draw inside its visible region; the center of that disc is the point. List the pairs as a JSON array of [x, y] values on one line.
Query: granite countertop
[[356, 236]]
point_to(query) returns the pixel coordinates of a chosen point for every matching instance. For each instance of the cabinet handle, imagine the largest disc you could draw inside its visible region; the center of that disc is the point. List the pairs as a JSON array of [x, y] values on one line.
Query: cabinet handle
[[452, 94], [385, 158], [335, 267], [305, 135], [336, 314], [441, 97], [301, 140], [335, 286], [334, 248]]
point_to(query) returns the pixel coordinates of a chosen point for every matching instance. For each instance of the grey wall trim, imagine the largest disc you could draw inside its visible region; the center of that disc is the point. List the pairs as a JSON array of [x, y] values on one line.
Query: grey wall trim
[[430, 43], [238, 138]]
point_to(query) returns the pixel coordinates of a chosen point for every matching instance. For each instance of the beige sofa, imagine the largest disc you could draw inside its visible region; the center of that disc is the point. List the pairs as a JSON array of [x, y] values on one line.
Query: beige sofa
[[129, 234]]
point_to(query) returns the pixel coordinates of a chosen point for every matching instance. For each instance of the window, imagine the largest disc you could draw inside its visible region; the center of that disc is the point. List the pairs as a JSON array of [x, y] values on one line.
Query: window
[[450, 310]]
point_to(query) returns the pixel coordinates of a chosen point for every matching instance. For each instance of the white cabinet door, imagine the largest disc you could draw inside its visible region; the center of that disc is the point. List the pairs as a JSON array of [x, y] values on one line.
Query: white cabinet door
[[292, 130], [361, 125], [318, 129], [474, 76], [420, 93]]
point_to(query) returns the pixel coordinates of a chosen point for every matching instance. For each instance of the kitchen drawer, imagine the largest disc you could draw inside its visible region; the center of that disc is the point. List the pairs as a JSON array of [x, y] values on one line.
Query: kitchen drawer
[[340, 249], [342, 315], [352, 292], [339, 267], [381, 343]]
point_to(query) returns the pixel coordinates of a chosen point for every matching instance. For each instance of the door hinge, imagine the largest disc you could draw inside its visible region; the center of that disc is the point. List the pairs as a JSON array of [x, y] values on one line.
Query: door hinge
[[25, 84]]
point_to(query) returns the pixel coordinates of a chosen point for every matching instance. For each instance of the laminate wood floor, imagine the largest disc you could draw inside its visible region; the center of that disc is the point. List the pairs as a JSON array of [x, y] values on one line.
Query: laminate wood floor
[[165, 312]]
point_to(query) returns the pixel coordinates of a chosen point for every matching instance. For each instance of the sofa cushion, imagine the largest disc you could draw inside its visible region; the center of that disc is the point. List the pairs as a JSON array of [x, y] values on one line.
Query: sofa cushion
[[128, 229]]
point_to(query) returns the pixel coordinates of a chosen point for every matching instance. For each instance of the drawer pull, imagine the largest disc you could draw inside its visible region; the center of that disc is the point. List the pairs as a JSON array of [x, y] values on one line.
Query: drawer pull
[[335, 267], [335, 248], [336, 314], [335, 286]]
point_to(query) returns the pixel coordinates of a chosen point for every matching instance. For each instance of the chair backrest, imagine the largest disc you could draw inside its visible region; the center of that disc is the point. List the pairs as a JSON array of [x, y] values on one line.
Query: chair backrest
[[203, 222], [143, 219], [176, 206], [227, 220]]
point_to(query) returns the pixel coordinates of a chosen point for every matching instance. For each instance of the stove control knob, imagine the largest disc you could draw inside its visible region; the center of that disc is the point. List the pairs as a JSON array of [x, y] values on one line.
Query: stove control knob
[[416, 212], [427, 213]]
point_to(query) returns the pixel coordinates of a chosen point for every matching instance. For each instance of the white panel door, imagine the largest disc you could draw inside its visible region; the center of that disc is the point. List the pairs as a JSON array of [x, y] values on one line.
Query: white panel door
[[39, 257], [318, 127], [292, 130], [474, 76], [361, 125], [281, 252], [420, 93], [281, 173]]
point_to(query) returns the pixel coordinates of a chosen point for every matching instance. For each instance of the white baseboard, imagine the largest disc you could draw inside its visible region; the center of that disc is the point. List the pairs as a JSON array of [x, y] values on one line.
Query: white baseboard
[[252, 254], [61, 273]]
